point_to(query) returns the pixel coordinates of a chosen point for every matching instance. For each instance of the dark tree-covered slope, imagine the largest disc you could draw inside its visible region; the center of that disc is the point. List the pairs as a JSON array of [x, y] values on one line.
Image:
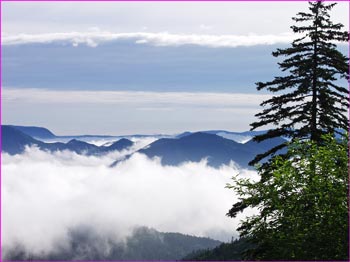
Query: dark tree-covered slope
[[224, 252], [85, 243]]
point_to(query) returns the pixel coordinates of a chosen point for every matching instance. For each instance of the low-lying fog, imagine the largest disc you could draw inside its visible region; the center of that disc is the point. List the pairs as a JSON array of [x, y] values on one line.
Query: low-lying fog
[[44, 195]]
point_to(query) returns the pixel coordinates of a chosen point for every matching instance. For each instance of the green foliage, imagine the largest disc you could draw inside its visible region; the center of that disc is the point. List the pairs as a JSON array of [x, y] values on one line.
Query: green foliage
[[144, 244], [301, 198], [302, 204], [224, 252], [308, 100]]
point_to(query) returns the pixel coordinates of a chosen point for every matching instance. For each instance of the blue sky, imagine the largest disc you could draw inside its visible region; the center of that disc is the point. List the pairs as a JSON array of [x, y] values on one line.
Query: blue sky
[[123, 68], [128, 66]]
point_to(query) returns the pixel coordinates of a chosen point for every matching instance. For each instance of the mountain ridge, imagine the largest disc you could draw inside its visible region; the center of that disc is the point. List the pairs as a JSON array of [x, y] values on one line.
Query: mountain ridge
[[35, 131], [14, 142], [84, 243], [198, 146], [193, 147]]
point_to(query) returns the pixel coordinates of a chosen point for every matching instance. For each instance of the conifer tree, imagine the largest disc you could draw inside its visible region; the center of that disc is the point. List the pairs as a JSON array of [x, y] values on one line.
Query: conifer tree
[[299, 218], [310, 102]]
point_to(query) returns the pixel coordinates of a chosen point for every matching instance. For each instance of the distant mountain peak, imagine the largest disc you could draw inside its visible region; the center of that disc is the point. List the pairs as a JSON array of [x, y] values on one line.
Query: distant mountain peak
[[14, 142], [35, 131], [193, 147], [239, 137], [122, 140], [120, 144], [76, 141]]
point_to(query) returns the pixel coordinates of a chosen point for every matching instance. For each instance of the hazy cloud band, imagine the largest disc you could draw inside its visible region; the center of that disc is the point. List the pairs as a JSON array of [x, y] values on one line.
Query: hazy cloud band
[[94, 38], [136, 98]]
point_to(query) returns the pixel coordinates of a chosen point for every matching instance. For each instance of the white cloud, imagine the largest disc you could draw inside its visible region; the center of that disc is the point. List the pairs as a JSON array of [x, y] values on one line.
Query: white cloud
[[46, 194], [139, 99], [237, 17], [94, 37], [129, 112]]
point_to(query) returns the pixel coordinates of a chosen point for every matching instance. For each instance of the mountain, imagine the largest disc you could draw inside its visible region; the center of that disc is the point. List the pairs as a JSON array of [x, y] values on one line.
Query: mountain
[[239, 137], [143, 244], [187, 133], [224, 252], [35, 132], [118, 145], [265, 145], [172, 151], [81, 147], [45, 135], [14, 142], [197, 146]]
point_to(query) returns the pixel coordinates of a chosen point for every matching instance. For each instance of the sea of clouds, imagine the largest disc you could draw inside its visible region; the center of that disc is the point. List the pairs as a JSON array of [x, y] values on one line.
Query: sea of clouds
[[45, 195]]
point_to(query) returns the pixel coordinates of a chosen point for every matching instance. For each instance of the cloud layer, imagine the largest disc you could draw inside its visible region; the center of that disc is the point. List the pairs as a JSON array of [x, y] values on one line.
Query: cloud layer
[[140, 99], [94, 38], [45, 195], [129, 112]]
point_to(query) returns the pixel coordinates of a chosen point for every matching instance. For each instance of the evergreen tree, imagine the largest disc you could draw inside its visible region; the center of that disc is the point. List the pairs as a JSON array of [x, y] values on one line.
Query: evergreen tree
[[303, 205], [310, 101], [302, 195]]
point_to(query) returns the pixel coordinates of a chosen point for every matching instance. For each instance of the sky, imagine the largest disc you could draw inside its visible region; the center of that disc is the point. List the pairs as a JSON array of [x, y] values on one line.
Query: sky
[[122, 68]]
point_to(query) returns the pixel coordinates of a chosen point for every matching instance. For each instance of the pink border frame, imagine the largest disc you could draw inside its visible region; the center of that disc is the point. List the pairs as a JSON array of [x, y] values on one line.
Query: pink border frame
[[151, 1]]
